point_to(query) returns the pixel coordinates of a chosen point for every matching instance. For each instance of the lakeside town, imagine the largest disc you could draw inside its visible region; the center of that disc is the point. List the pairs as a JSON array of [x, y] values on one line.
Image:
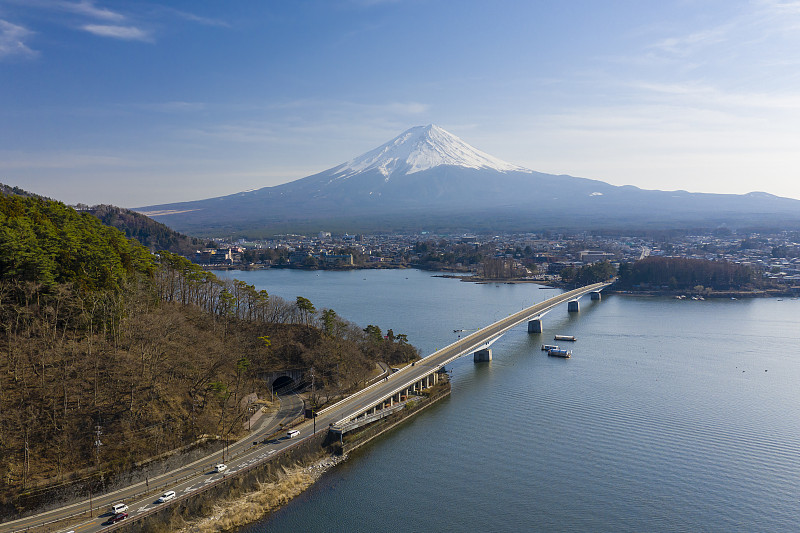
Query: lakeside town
[[529, 256]]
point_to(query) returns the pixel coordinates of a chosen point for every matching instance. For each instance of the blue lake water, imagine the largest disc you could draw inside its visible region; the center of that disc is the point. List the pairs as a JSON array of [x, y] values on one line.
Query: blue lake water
[[670, 416]]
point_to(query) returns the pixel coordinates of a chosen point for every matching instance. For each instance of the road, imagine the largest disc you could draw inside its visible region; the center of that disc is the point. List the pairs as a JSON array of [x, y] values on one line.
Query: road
[[141, 496]]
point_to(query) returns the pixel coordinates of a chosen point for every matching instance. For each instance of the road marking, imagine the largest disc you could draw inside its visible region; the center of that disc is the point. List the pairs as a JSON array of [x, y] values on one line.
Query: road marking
[[142, 509]]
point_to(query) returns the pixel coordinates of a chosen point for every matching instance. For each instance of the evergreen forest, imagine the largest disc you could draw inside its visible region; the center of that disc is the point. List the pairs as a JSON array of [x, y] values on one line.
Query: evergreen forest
[[681, 273]]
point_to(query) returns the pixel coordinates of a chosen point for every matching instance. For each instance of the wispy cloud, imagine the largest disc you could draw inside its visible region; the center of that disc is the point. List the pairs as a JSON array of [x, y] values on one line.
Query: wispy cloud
[[15, 160], [174, 107], [706, 96], [11, 40], [126, 33], [84, 8], [85, 15], [781, 8], [87, 8], [205, 21], [370, 3], [687, 44]]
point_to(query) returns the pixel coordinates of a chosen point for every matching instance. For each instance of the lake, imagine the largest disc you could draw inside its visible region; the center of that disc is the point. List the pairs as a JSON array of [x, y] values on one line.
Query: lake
[[671, 415]]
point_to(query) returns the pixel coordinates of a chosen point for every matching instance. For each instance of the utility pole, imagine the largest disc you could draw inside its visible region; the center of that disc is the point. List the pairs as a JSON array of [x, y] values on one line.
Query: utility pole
[[26, 462], [313, 401], [98, 431], [194, 405]]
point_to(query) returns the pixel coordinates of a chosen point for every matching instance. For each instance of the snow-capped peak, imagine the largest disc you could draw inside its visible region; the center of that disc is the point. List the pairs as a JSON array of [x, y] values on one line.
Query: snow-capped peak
[[422, 148]]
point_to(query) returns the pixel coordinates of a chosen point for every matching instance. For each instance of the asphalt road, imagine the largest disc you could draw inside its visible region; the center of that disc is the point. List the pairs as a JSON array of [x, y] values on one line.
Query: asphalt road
[[141, 497]]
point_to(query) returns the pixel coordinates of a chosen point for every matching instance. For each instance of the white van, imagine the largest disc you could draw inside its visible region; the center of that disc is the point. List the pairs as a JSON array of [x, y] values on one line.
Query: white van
[[292, 433], [119, 508], [167, 496]]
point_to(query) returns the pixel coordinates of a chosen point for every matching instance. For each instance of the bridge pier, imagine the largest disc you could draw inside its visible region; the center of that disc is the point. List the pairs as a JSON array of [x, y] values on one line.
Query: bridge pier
[[535, 325], [573, 306], [483, 356], [595, 295]]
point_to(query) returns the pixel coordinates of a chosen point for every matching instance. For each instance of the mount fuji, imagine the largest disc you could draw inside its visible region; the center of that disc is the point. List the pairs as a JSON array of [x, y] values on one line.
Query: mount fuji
[[427, 178]]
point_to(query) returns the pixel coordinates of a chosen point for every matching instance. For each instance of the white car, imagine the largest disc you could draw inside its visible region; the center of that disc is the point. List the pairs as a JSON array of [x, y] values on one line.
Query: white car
[[167, 496], [220, 467], [119, 508]]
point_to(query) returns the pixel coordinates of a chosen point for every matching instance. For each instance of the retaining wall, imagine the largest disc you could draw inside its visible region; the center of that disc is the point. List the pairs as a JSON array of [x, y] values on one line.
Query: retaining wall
[[202, 501]]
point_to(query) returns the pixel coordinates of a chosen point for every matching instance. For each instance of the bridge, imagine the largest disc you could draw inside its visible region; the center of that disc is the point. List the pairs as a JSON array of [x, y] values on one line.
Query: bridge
[[370, 404], [383, 398]]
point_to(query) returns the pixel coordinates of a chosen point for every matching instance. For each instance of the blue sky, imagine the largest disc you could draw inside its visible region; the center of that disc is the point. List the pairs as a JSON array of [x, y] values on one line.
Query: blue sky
[[147, 102]]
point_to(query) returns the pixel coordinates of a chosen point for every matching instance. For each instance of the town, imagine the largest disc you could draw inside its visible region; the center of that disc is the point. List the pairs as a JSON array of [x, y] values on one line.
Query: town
[[540, 257]]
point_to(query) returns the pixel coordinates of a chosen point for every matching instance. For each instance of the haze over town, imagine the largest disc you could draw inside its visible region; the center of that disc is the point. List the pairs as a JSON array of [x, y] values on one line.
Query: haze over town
[[137, 103]]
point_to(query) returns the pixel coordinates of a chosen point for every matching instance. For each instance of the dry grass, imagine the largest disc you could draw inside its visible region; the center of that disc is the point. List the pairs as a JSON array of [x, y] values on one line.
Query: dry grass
[[251, 507]]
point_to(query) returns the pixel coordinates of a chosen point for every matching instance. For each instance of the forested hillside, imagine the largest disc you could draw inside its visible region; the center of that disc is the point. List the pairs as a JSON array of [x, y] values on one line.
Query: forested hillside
[[151, 234], [100, 337], [680, 273]]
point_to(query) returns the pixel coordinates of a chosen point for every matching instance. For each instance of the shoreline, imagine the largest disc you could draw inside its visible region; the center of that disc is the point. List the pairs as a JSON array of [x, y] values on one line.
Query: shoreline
[[250, 507], [237, 512]]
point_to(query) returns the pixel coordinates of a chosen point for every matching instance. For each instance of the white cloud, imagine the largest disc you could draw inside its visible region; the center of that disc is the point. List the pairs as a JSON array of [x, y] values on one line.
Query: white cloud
[[87, 8], [127, 33], [205, 21], [781, 8], [84, 8], [688, 44], [709, 97], [11, 40]]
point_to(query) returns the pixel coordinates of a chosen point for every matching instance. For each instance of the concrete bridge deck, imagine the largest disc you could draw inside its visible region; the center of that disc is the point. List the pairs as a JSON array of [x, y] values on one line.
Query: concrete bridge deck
[[423, 373]]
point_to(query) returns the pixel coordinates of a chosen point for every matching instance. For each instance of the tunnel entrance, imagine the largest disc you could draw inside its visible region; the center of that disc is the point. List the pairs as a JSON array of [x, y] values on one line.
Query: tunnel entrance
[[283, 385]]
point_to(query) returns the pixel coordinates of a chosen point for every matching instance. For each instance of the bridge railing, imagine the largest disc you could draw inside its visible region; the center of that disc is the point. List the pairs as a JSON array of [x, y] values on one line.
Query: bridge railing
[[469, 344]]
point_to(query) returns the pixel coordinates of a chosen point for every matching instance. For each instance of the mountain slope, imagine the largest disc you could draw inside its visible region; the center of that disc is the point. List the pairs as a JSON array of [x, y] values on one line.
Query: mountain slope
[[151, 234], [421, 148], [427, 178]]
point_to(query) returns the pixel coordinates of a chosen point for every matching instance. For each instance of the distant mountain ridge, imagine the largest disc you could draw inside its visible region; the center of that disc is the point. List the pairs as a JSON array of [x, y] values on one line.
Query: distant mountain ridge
[[427, 178]]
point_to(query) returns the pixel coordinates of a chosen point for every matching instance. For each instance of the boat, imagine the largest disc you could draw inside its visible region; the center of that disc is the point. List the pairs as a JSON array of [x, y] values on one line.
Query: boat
[[564, 338], [548, 347], [566, 354]]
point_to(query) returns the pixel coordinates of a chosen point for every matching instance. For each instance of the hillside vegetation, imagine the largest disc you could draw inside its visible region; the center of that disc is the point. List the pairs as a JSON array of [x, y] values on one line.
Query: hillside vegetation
[[110, 355], [680, 273], [151, 234]]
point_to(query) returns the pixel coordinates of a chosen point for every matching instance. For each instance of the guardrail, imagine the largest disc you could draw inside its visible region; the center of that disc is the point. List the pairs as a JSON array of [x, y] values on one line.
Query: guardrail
[[160, 486], [386, 411], [225, 477]]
